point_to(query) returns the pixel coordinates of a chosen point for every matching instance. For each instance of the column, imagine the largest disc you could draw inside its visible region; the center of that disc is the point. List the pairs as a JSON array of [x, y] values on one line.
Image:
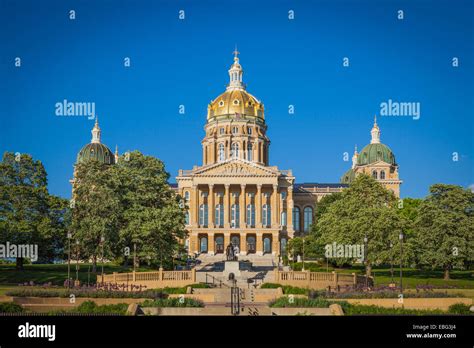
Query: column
[[227, 206], [203, 154], [274, 206], [211, 206], [275, 244], [259, 245], [210, 244], [258, 207], [193, 243], [255, 151], [243, 244], [226, 240], [193, 199], [242, 205], [289, 212]]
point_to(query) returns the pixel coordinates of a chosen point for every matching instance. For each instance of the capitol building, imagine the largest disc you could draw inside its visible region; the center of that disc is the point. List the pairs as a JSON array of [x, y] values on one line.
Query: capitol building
[[236, 195]]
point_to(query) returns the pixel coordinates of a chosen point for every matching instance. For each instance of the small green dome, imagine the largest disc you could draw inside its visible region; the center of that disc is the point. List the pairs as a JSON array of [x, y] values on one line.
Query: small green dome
[[348, 177], [96, 151], [375, 152]]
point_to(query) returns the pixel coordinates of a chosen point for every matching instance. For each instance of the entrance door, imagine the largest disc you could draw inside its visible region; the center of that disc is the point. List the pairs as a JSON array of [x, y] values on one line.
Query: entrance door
[[203, 244], [267, 245], [219, 245], [251, 245], [235, 240]]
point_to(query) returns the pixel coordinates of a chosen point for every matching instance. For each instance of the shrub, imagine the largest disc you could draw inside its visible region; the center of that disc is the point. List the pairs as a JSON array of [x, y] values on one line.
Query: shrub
[[90, 307], [352, 309], [287, 302], [287, 289], [92, 293], [10, 307], [460, 308], [173, 302]]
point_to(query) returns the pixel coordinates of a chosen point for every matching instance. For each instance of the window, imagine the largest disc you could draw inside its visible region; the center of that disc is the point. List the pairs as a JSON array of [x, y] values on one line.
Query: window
[[221, 103], [235, 150], [236, 102], [251, 215], [186, 218], [266, 218], [222, 130], [296, 219], [203, 215], [308, 218], [186, 196], [249, 130], [249, 152], [234, 216], [382, 174], [219, 215], [374, 174], [283, 218], [283, 195], [221, 153], [235, 130]]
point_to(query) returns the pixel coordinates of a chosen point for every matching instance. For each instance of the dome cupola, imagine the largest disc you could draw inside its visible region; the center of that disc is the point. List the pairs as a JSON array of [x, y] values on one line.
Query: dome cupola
[[96, 150]]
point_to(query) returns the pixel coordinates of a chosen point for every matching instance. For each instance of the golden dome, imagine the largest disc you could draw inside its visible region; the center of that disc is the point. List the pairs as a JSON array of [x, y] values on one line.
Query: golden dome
[[236, 103]]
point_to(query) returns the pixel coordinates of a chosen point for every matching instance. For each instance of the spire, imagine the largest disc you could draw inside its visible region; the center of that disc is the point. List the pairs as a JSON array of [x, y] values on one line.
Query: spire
[[235, 73], [354, 157], [96, 132], [116, 154], [375, 132]]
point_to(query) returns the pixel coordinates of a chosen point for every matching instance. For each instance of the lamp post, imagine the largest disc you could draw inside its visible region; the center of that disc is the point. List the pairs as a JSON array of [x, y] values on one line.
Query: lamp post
[[69, 236], [391, 261], [102, 240], [303, 255], [401, 258], [366, 264], [77, 261]]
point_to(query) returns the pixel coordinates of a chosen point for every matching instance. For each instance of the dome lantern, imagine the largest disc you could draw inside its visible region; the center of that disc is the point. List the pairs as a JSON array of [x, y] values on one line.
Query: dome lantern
[[96, 132], [235, 73], [375, 132]]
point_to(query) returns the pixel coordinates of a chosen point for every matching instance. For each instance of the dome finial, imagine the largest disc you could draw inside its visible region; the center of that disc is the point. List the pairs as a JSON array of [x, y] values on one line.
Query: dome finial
[[235, 73], [96, 132], [375, 132]]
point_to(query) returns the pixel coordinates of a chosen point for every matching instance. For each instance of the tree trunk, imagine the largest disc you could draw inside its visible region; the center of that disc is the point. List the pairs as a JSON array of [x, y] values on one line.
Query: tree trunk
[[446, 273], [369, 270], [94, 264], [19, 263]]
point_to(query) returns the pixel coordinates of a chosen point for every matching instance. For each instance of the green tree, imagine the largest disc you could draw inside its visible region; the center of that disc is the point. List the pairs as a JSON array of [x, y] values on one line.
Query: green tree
[[96, 207], [365, 209], [28, 213], [323, 206], [151, 217], [445, 228]]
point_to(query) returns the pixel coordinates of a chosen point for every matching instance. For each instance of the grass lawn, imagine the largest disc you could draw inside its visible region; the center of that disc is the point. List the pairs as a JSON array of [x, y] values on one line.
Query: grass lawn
[[411, 277], [54, 273]]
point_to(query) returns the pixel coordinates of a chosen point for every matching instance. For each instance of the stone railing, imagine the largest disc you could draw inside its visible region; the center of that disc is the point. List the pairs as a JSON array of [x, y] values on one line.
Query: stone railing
[[150, 280], [319, 280]]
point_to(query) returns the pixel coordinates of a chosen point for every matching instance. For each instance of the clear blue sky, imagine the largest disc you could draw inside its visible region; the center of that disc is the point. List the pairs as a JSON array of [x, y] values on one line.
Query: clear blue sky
[[286, 62]]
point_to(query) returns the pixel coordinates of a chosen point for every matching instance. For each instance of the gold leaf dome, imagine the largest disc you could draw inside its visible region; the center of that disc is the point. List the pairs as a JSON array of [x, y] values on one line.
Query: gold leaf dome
[[235, 102]]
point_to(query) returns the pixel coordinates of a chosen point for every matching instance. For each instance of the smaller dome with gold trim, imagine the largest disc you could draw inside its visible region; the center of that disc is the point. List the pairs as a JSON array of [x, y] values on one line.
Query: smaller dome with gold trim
[[96, 150]]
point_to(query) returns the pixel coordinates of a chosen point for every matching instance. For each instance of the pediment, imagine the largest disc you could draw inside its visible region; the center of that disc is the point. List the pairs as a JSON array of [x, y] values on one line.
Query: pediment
[[236, 167]]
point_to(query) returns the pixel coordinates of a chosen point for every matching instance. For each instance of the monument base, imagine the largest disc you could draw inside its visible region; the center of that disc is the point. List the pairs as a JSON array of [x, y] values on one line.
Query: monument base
[[231, 267]]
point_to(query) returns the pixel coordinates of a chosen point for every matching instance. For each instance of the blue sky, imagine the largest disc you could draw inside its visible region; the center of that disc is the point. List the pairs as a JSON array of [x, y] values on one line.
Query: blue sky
[[287, 62]]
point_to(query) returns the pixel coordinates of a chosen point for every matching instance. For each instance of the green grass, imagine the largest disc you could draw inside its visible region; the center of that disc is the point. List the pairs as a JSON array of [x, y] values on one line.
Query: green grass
[[54, 273], [411, 277]]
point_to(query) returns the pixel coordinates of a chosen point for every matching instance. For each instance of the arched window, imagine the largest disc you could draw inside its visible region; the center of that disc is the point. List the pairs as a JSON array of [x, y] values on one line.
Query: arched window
[[186, 218], [234, 216], [250, 152], [266, 215], [235, 150], [382, 174], [203, 215], [308, 218], [251, 215], [374, 174], [221, 153], [186, 196], [283, 218], [219, 215], [296, 219]]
